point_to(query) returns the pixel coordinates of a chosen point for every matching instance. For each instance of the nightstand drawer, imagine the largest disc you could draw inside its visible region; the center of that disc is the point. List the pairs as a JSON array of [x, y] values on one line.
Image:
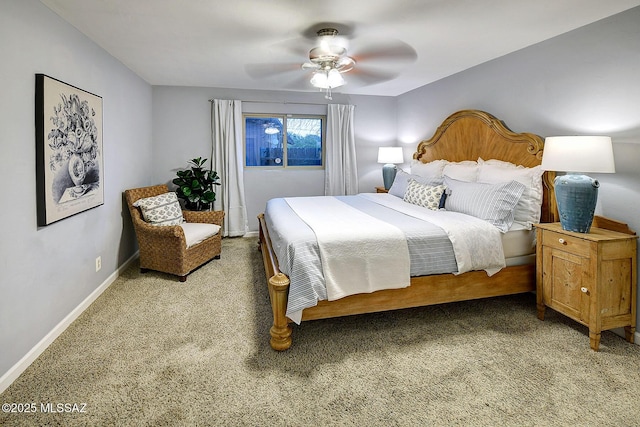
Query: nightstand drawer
[[565, 242]]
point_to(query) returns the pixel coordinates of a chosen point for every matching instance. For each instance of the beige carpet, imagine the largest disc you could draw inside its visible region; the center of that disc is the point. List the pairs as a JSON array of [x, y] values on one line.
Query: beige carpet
[[154, 351]]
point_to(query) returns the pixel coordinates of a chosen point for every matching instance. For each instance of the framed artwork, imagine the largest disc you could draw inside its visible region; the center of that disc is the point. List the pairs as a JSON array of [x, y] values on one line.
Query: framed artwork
[[69, 167]]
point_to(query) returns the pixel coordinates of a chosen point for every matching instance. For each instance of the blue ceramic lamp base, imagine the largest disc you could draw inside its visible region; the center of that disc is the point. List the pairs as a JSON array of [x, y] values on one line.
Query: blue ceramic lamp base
[[576, 196], [388, 175]]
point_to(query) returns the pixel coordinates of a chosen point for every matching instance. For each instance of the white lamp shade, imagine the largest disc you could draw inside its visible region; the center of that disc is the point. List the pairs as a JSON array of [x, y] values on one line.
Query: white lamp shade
[[319, 80], [327, 80], [390, 155], [334, 78], [578, 154]]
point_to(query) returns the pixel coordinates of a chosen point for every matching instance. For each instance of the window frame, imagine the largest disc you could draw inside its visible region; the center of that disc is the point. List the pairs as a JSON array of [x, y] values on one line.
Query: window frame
[[285, 159]]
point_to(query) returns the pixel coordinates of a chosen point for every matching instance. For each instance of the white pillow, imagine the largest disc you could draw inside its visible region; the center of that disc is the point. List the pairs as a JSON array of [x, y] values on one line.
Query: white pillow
[[196, 232], [466, 170], [163, 209], [493, 203], [401, 181], [427, 196], [527, 211], [431, 170]]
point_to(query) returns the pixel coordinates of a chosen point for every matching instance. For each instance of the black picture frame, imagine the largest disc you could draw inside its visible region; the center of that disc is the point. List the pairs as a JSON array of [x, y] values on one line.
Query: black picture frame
[[69, 156]]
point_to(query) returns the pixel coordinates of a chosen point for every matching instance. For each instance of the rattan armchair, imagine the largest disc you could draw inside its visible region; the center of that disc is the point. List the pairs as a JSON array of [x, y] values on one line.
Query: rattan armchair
[[164, 248]]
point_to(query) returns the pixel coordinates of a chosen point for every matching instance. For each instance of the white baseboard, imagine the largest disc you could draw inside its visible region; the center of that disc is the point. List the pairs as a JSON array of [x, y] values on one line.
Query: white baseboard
[[16, 370], [620, 332]]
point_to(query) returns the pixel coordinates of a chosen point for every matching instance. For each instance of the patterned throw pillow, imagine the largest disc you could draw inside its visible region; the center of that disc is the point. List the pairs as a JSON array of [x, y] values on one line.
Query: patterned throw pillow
[[401, 182], [427, 196], [161, 210]]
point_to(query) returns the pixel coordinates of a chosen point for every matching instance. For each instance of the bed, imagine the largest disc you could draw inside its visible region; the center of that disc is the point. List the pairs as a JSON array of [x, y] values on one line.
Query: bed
[[465, 136]]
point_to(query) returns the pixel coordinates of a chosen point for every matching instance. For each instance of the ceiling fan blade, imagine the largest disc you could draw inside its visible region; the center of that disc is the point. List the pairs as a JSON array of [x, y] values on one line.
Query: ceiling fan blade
[[301, 82], [310, 66], [298, 47], [385, 50], [259, 71], [365, 76]]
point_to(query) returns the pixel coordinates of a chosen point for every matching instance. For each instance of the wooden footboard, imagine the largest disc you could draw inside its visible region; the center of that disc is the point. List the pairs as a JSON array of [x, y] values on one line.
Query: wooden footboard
[[423, 291], [430, 290]]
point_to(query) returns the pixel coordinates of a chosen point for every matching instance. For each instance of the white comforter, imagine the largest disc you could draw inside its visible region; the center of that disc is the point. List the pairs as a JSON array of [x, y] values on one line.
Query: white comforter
[[353, 259]]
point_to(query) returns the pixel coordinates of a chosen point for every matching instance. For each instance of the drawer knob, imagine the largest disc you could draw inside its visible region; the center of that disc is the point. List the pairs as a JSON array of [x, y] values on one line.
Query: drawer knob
[[583, 289], [562, 241]]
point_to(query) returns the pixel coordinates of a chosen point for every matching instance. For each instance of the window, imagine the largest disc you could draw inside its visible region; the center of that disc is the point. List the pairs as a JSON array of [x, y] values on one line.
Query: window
[[284, 140]]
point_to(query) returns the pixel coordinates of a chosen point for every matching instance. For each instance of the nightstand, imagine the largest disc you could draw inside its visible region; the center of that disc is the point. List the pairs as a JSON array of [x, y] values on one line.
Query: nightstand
[[381, 190], [589, 277]]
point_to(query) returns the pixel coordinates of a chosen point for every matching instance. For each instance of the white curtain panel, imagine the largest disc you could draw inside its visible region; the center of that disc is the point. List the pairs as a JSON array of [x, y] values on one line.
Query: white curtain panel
[[226, 158], [341, 174]]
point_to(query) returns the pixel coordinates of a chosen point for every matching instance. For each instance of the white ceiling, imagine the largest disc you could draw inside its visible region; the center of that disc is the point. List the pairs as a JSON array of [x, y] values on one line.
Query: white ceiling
[[238, 43]]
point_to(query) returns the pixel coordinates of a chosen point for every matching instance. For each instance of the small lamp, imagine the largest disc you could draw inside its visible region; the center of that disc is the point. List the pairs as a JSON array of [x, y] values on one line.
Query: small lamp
[[389, 156], [577, 194]]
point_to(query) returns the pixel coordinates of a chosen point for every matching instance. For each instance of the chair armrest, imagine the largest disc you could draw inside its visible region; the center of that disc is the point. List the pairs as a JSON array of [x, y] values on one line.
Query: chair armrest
[[208, 217], [160, 231]]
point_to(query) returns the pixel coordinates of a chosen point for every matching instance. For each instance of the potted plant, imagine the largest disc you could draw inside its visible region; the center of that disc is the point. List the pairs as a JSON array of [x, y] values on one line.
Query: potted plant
[[195, 185]]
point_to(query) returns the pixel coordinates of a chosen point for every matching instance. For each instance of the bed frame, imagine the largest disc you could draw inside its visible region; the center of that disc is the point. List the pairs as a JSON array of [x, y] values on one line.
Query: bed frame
[[465, 135]]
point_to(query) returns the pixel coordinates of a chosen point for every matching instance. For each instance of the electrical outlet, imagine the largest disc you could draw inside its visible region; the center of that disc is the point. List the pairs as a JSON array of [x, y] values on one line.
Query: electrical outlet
[[98, 264]]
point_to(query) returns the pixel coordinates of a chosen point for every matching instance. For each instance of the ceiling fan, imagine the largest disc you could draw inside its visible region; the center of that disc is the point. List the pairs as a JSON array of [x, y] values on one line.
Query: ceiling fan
[[328, 61], [367, 62]]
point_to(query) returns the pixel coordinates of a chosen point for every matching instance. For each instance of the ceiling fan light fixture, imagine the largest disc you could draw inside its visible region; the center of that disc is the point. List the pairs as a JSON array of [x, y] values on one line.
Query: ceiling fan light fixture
[[327, 79], [320, 80], [334, 78]]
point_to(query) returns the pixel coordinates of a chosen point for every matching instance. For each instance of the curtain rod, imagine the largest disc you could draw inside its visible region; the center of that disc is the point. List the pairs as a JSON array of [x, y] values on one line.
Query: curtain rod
[[280, 102]]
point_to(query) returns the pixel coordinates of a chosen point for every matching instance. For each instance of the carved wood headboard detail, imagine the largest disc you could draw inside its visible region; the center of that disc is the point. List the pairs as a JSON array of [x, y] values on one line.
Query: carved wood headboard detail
[[470, 134]]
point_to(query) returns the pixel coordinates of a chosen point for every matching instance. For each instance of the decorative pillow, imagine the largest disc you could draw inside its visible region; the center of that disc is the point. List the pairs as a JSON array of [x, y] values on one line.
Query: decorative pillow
[[432, 170], [161, 210], [424, 195], [527, 211], [493, 203], [466, 170], [401, 181]]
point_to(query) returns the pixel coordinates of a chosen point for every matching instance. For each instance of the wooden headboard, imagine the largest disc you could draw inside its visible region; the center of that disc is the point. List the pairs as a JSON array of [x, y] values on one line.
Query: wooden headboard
[[470, 134]]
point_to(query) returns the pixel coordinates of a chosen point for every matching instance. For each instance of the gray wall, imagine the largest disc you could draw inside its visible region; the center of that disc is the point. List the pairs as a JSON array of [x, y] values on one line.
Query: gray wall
[[182, 118], [581, 83], [46, 272]]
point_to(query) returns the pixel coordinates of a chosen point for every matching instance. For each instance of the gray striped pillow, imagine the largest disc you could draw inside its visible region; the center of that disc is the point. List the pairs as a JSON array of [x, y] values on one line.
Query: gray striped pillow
[[493, 203]]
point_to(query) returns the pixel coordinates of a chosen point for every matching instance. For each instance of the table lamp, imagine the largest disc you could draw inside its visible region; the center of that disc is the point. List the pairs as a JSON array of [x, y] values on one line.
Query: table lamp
[[389, 156], [577, 194]]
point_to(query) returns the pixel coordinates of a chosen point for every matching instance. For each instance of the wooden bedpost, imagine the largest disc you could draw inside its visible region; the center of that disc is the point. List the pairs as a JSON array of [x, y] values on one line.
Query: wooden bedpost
[[278, 285], [280, 331]]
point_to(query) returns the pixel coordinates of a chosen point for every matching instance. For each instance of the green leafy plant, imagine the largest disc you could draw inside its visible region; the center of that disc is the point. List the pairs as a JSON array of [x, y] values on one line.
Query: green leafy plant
[[195, 185]]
